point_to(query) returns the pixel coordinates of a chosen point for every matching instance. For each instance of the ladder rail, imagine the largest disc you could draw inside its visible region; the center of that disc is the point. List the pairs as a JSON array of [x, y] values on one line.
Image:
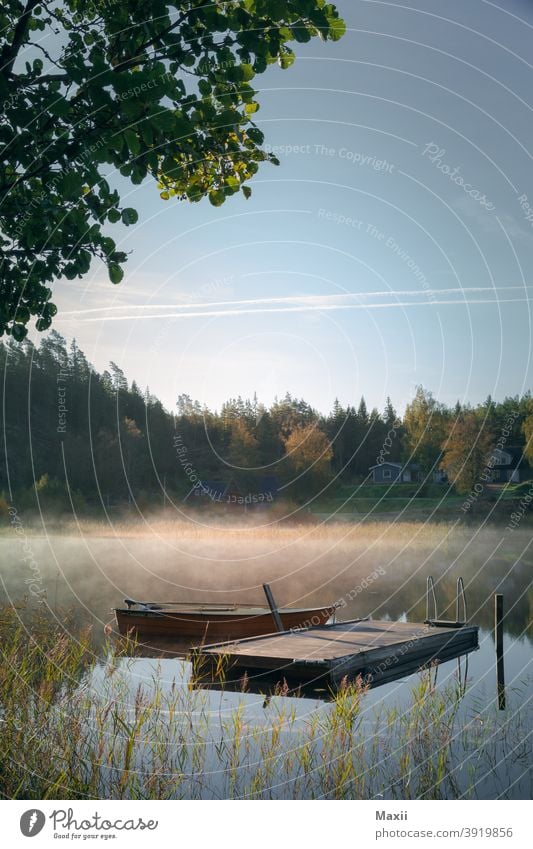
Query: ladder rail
[[430, 594], [460, 602], [460, 597]]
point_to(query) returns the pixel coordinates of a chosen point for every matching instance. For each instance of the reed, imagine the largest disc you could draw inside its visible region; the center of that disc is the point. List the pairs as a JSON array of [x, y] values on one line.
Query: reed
[[76, 725]]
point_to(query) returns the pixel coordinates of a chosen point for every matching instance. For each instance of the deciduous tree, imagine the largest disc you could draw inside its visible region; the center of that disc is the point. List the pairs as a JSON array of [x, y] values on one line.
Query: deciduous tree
[[160, 90], [467, 452], [425, 424], [309, 451]]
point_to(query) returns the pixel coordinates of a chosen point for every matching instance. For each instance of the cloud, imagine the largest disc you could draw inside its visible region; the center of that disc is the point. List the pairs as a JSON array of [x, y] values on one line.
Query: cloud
[[513, 225]]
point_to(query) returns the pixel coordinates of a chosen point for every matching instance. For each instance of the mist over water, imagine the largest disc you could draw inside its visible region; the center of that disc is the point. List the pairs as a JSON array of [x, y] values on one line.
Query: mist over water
[[376, 569]]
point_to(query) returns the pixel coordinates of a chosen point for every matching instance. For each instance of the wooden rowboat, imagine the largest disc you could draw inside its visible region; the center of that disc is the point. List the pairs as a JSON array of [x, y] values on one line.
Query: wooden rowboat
[[216, 621]]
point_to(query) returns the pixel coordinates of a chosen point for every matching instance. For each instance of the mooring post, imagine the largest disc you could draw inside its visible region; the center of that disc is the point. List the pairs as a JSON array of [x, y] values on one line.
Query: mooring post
[[273, 607], [498, 639]]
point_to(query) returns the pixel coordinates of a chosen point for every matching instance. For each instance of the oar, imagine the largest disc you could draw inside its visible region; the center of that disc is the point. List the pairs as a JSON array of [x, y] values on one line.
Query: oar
[[273, 608]]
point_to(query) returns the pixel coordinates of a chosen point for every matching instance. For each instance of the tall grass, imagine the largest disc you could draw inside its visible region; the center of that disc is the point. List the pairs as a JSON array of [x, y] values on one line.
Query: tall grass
[[72, 727]]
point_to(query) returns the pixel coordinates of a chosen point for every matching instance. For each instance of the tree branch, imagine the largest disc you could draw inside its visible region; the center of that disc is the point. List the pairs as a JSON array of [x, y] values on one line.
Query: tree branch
[[44, 78], [131, 59], [10, 52]]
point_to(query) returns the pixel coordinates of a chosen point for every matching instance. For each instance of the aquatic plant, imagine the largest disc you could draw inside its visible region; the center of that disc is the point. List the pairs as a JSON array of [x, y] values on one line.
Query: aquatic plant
[[75, 726]]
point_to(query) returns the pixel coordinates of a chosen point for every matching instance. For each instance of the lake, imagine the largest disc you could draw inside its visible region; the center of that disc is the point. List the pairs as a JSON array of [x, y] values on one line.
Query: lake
[[88, 573]]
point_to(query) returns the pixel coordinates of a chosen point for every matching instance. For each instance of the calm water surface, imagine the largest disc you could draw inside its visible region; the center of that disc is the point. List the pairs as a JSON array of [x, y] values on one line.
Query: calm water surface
[[88, 577]]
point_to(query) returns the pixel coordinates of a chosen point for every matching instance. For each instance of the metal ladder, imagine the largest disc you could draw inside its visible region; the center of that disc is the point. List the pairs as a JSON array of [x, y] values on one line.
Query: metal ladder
[[460, 600]]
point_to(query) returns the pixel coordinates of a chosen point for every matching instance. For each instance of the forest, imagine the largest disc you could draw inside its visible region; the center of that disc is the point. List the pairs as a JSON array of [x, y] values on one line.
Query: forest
[[74, 438]]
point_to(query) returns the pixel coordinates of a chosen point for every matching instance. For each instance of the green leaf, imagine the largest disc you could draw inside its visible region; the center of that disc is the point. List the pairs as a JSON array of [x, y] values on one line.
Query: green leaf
[[247, 192], [132, 141], [248, 72], [146, 133], [70, 271], [255, 135], [50, 310], [217, 197], [108, 245], [19, 332], [337, 28], [41, 324], [60, 107], [72, 185], [285, 60], [4, 88], [182, 127], [301, 33], [115, 272], [129, 216]]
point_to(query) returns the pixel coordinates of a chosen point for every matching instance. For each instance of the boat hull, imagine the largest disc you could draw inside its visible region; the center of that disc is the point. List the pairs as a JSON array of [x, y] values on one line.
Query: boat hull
[[214, 625]]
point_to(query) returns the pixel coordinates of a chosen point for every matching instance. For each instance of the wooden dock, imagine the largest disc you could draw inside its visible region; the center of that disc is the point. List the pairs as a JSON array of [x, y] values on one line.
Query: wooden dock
[[378, 651]]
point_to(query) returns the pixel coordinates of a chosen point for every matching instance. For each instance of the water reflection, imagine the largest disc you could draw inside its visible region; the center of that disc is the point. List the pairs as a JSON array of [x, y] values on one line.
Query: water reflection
[[217, 742], [278, 682], [89, 575]]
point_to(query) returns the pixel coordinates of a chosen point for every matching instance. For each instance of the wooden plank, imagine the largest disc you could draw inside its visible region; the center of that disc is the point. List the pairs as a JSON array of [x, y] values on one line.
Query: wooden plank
[[379, 664], [410, 666], [266, 680], [334, 642], [384, 650], [351, 665]]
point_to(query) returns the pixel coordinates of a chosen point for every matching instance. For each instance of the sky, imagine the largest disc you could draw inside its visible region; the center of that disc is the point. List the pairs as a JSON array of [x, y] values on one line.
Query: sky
[[390, 248]]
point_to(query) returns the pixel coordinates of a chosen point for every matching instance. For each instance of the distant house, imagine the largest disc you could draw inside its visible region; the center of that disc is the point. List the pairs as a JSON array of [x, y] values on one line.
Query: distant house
[[508, 465], [230, 493], [504, 465], [389, 472]]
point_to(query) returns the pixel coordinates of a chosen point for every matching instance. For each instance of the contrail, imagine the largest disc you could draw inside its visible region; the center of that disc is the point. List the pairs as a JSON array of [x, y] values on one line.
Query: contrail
[[303, 308], [298, 299]]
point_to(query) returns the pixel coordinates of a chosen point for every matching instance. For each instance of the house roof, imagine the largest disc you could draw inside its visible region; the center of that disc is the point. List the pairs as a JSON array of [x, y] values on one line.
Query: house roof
[[405, 467], [515, 452]]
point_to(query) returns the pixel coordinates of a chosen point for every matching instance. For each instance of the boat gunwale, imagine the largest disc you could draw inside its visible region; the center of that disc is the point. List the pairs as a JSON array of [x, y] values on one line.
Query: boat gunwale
[[216, 611]]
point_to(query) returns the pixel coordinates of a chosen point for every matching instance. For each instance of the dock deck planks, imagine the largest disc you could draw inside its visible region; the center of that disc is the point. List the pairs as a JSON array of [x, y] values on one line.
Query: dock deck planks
[[377, 650]]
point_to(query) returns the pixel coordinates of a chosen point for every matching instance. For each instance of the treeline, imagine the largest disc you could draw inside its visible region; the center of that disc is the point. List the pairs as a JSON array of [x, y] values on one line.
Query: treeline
[[70, 433]]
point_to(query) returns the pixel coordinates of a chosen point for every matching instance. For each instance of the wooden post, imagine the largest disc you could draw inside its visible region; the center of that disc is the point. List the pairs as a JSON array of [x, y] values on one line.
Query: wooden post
[[273, 608], [498, 639]]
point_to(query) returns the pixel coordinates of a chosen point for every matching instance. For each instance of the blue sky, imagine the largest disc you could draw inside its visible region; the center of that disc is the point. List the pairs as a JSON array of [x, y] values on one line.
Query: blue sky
[[390, 248]]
